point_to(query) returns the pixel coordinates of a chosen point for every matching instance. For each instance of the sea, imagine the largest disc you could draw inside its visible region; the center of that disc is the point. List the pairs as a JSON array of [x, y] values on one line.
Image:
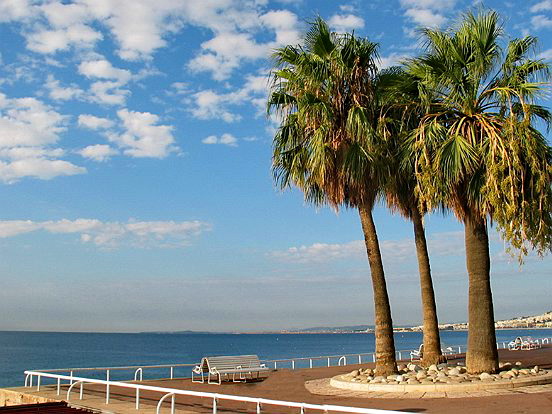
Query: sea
[[20, 351]]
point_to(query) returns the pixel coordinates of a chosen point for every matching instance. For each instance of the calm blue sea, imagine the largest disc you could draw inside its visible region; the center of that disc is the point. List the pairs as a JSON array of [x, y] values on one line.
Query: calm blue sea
[[20, 351]]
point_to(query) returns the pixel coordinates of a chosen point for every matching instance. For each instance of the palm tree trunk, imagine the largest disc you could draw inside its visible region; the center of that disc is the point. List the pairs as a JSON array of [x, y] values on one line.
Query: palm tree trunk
[[432, 342], [385, 343], [482, 355]]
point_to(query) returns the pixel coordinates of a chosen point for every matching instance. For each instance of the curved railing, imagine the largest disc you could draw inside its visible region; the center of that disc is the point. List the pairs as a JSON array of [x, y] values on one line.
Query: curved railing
[[214, 397]]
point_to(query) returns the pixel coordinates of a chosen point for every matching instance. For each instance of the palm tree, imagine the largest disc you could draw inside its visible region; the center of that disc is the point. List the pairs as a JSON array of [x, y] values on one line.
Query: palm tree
[[328, 144], [478, 150], [402, 112]]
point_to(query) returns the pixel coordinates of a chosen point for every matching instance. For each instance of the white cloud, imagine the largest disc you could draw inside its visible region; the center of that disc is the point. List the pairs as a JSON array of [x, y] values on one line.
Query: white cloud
[[94, 122], [541, 6], [103, 69], [391, 60], [142, 137], [425, 17], [346, 22], [14, 10], [225, 52], [113, 234], [28, 122], [211, 105], [428, 4], [42, 168], [546, 55], [98, 152], [439, 244], [208, 104], [51, 41], [108, 90], [108, 93], [284, 23], [225, 139], [28, 130], [540, 21], [62, 93], [427, 13]]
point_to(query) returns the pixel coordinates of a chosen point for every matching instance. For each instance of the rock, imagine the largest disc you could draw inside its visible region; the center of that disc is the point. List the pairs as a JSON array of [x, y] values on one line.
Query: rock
[[421, 375], [402, 367], [412, 381], [399, 378], [485, 376], [536, 369], [432, 368], [442, 366], [391, 377], [518, 364], [355, 373], [426, 381], [524, 371], [454, 372], [441, 374], [369, 371]]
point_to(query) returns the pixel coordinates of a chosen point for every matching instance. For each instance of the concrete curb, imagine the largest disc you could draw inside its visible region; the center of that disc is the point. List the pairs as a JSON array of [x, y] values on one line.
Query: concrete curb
[[339, 382]]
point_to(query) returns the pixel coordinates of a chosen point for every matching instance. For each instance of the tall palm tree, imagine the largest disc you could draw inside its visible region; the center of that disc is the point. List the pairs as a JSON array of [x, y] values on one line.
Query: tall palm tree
[[479, 151], [402, 111], [328, 144]]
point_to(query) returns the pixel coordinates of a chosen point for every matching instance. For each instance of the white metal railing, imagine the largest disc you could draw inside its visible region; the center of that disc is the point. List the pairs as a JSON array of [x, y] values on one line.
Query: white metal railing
[[215, 397]]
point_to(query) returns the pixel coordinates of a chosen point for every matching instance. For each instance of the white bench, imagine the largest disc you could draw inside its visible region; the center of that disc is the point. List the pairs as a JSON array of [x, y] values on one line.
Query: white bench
[[235, 367]]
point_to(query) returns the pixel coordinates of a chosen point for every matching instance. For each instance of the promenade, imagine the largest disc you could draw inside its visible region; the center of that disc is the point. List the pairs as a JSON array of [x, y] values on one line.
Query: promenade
[[310, 386]]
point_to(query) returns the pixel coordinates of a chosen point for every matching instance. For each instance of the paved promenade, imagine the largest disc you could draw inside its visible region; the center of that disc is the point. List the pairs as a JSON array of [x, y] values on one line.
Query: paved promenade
[[311, 386]]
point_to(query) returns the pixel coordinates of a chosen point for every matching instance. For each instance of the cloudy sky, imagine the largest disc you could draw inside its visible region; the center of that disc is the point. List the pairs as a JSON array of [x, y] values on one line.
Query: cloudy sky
[[135, 173]]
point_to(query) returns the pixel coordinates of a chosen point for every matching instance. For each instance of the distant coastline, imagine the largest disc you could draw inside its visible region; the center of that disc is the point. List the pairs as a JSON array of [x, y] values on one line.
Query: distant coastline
[[543, 321]]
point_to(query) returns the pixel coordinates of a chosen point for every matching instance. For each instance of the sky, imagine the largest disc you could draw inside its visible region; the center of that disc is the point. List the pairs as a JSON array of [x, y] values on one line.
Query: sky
[[135, 173]]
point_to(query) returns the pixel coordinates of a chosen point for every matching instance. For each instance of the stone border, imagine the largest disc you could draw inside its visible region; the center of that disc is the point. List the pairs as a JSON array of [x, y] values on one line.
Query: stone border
[[339, 382]]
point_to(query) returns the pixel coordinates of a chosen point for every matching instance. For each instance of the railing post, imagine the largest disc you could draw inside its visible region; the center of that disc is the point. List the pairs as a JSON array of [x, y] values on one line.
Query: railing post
[[71, 380], [274, 364], [292, 364], [214, 405], [107, 387], [258, 407], [31, 381], [58, 386], [172, 372], [359, 359], [328, 361], [80, 392], [137, 398], [310, 362], [172, 404], [374, 357], [38, 383]]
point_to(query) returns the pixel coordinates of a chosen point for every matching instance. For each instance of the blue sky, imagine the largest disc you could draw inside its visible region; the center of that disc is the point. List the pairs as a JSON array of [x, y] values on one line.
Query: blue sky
[[135, 173]]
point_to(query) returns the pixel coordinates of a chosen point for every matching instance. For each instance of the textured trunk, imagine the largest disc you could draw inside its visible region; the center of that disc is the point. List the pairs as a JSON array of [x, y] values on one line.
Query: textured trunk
[[482, 355], [385, 344], [432, 342]]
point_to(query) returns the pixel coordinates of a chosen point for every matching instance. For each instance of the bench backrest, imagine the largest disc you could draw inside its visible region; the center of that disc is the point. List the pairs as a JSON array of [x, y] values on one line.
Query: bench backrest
[[222, 363]]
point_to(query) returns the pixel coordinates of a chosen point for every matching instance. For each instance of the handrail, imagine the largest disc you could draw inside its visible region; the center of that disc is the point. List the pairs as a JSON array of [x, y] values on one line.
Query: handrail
[[171, 394], [115, 368], [214, 396]]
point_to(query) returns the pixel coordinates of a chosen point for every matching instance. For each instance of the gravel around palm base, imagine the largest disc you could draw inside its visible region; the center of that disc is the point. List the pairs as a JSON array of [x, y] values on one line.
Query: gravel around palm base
[[413, 374]]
